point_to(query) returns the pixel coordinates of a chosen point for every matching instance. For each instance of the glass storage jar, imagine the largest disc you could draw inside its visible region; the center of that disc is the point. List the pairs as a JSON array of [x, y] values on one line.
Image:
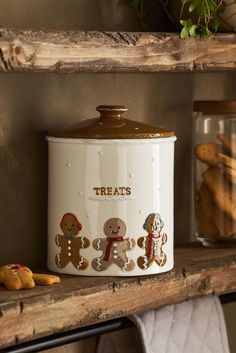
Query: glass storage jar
[[215, 171]]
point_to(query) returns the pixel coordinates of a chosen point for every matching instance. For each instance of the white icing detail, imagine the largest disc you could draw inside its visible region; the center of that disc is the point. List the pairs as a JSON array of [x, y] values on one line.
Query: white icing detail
[[69, 254], [145, 262], [69, 248], [98, 244], [98, 260], [58, 258], [80, 262], [68, 164], [115, 257], [115, 251], [82, 242], [130, 243], [126, 264], [144, 243], [69, 241], [115, 245], [111, 198]]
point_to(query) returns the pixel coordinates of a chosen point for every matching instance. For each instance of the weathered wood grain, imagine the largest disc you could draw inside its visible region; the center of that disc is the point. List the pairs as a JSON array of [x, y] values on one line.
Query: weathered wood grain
[[74, 51], [80, 301]]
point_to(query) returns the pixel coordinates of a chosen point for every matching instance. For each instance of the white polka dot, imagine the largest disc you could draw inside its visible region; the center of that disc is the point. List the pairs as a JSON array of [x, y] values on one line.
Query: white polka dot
[[69, 248], [115, 251], [69, 241], [115, 245], [69, 253], [115, 257]]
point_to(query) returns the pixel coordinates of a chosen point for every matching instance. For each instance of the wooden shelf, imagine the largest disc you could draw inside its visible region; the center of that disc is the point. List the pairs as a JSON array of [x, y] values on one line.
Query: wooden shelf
[[81, 301], [74, 51]]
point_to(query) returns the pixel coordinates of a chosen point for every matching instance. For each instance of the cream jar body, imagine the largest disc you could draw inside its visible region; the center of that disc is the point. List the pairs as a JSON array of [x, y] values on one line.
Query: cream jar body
[[118, 196]]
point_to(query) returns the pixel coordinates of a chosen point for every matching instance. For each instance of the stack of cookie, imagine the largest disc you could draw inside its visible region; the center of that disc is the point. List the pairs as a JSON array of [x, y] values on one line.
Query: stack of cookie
[[216, 207]]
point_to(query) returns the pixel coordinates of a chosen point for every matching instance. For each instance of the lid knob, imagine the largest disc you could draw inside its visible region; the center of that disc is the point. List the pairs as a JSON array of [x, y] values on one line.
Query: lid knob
[[111, 111]]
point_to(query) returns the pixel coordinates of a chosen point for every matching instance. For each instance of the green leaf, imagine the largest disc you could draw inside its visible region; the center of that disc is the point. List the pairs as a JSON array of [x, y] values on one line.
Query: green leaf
[[215, 24], [193, 5], [184, 32], [186, 23], [193, 31]]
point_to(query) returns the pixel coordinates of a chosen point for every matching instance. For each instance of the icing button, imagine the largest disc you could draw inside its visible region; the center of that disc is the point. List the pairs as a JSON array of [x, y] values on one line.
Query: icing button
[[115, 257], [69, 241], [115, 251], [69, 254], [69, 248], [115, 245]]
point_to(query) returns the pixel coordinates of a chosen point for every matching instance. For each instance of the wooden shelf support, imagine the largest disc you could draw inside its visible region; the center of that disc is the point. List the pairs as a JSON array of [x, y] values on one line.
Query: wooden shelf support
[[80, 301], [76, 51]]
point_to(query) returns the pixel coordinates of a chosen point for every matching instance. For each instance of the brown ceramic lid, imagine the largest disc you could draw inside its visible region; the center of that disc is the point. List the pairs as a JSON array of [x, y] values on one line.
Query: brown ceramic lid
[[111, 125], [215, 107]]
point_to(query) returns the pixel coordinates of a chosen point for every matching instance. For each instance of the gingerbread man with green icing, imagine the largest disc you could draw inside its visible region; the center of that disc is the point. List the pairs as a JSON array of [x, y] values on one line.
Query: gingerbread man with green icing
[[152, 243], [114, 247], [71, 244]]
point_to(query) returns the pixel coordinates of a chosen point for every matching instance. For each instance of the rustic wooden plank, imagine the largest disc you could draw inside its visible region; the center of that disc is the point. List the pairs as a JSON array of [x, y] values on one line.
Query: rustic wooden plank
[[75, 51], [80, 301]]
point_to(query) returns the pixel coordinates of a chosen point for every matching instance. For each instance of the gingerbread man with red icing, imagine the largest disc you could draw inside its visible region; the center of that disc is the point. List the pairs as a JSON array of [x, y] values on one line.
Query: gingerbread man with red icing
[[16, 276], [71, 244], [153, 242], [114, 247]]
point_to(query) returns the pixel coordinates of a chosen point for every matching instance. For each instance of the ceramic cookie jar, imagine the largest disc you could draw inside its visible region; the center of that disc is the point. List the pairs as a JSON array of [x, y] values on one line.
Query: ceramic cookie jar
[[110, 197]]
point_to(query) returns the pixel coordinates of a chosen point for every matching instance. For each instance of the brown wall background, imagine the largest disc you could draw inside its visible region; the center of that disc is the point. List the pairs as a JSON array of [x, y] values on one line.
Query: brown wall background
[[30, 104]]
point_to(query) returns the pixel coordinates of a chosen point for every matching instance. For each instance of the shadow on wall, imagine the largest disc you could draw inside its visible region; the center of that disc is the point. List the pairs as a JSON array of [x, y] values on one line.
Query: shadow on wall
[[102, 15]]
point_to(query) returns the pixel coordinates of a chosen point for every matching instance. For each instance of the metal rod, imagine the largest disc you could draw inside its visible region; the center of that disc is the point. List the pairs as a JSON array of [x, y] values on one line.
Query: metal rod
[[69, 336], [227, 298]]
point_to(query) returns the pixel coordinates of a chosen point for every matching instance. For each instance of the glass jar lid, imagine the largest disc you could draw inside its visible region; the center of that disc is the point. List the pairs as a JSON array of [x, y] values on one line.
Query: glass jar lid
[[215, 107], [111, 125]]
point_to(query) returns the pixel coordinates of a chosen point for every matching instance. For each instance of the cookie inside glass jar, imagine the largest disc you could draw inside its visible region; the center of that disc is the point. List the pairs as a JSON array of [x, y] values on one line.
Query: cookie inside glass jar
[[215, 171]]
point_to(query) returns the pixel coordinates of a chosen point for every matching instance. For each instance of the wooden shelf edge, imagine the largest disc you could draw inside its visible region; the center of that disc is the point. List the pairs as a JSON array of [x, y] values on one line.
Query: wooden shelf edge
[[76, 51], [81, 301]]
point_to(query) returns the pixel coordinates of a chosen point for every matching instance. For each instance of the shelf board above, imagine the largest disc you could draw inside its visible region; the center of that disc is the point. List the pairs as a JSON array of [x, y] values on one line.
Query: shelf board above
[[80, 301], [76, 51]]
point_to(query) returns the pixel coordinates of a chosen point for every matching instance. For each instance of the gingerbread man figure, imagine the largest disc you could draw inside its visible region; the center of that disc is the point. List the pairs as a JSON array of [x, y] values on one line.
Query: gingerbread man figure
[[152, 243], [70, 244], [114, 247]]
